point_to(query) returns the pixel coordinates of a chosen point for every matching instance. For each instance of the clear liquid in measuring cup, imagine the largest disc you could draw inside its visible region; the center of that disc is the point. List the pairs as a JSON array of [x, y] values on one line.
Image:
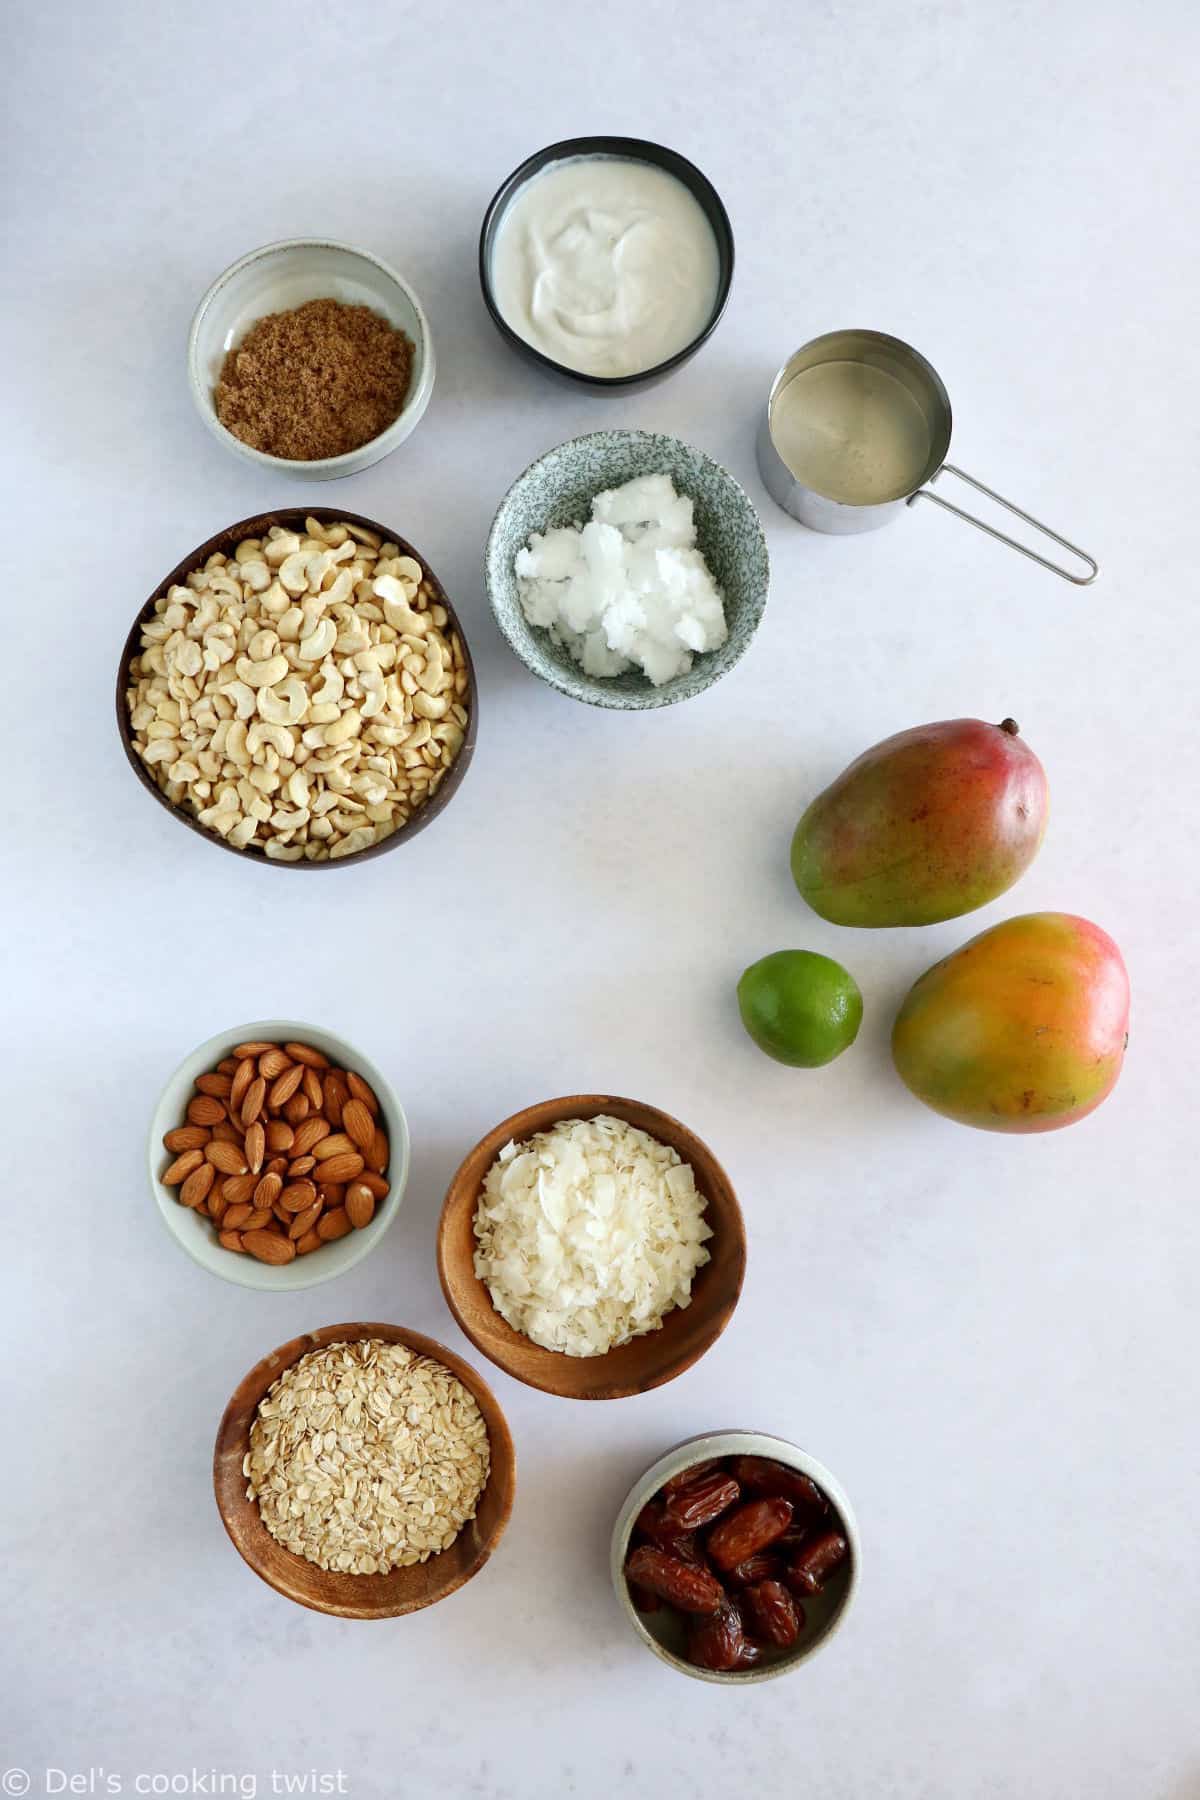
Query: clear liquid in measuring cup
[[851, 432]]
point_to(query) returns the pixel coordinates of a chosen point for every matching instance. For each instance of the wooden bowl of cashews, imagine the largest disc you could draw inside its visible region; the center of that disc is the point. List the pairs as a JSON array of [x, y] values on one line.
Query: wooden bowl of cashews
[[299, 690]]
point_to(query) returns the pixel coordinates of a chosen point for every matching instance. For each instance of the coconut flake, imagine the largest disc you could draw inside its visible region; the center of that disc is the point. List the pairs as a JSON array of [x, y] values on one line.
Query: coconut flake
[[589, 1234]]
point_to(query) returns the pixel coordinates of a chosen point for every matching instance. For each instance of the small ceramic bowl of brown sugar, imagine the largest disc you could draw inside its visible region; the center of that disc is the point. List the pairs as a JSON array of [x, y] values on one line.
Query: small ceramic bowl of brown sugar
[[311, 358]]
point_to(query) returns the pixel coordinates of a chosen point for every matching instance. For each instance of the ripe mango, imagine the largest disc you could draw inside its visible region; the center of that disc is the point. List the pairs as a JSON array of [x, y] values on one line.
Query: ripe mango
[[1023, 1029], [929, 824]]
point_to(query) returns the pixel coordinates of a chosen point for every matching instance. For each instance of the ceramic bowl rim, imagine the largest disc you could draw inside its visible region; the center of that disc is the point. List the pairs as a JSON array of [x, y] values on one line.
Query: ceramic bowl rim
[[245, 1271], [566, 1106], [225, 539], [348, 462], [424, 1345], [632, 149], [732, 1442], [593, 690]]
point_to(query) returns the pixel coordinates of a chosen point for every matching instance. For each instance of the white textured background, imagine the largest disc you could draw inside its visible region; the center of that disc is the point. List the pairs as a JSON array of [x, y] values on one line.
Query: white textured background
[[993, 1342]]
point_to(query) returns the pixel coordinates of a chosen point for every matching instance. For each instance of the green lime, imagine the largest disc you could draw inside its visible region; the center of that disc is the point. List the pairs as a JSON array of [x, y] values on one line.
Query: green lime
[[800, 1008]]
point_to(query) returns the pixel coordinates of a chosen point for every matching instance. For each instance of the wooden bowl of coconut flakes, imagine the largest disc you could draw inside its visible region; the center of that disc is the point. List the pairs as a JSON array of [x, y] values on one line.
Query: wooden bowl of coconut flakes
[[646, 1361]]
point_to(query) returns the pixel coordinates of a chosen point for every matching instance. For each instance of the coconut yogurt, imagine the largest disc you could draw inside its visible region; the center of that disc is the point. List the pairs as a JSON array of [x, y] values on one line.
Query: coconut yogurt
[[606, 265]]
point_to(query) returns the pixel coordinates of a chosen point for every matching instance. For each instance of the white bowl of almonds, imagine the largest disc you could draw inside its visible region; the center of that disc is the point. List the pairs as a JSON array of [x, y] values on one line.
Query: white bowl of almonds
[[278, 1155], [299, 691]]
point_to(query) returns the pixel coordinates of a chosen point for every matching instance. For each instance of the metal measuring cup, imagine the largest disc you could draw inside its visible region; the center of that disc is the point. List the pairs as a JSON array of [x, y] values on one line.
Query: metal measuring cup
[[856, 428]]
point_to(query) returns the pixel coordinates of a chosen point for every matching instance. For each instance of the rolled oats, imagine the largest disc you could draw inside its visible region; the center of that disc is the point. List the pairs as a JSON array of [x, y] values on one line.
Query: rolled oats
[[366, 1457]]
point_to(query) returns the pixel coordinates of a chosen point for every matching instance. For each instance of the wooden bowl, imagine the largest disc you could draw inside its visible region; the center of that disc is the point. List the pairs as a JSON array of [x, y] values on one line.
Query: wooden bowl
[[292, 518], [644, 1363], [359, 1596]]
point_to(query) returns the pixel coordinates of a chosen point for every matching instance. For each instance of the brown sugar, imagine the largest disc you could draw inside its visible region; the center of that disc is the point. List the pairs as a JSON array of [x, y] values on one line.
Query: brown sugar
[[314, 382]]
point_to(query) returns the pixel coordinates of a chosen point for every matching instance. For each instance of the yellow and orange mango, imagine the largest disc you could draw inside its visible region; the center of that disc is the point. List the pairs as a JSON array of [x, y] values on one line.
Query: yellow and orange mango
[[1024, 1029]]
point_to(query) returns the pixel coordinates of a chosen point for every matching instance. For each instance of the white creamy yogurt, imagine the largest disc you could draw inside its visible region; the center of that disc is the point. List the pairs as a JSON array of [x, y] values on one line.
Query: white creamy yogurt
[[605, 264]]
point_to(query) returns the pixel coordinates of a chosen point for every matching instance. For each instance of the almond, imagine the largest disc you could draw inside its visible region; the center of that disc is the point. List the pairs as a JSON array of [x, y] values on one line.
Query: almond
[[311, 1085], [377, 1155], [268, 1247], [228, 1065], [297, 1109], [341, 1168], [300, 1165], [284, 1086], [277, 1166], [332, 1193], [361, 1090], [252, 1105], [310, 1241], [217, 1085], [255, 1146], [280, 1136], [374, 1184], [239, 1188], [336, 1095], [335, 1224], [268, 1190], [205, 1109], [308, 1134], [285, 1218], [336, 1144], [225, 1133], [273, 1062], [231, 1240], [241, 1081], [217, 1203], [260, 1216], [186, 1137], [195, 1188], [297, 1196], [251, 1050], [360, 1205], [304, 1221], [304, 1053], [237, 1216], [226, 1157], [178, 1171], [358, 1124]]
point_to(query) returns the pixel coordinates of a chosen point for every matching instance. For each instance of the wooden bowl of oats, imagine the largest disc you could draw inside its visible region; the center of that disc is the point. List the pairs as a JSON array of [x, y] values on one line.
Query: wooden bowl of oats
[[420, 1450], [292, 703]]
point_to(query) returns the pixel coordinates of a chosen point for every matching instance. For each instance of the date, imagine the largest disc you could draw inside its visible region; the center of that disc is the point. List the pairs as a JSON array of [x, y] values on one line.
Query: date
[[744, 1533], [685, 1476], [702, 1501], [815, 1561], [772, 1614], [766, 1566], [764, 1479], [718, 1642], [685, 1586]]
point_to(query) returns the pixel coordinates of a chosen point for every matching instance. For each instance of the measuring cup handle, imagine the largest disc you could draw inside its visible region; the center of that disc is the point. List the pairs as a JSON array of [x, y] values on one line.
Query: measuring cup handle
[[1089, 562]]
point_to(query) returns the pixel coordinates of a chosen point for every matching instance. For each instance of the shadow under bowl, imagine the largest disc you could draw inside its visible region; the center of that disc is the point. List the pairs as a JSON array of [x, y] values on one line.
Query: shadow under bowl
[[644, 1363], [225, 542], [359, 1596]]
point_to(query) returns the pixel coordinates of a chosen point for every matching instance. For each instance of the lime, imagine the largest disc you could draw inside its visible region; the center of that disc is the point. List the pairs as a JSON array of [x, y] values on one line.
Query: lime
[[800, 1008]]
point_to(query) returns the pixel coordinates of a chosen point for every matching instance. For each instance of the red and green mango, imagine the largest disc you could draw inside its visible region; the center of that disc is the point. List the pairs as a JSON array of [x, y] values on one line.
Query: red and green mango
[[927, 825]]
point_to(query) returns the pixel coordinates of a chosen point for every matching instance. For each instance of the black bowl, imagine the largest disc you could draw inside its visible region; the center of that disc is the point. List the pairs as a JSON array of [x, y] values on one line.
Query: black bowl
[[292, 519], [638, 150]]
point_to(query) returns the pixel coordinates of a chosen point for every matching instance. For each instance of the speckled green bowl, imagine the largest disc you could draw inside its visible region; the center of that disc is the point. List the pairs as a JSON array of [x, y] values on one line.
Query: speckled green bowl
[[558, 489]]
